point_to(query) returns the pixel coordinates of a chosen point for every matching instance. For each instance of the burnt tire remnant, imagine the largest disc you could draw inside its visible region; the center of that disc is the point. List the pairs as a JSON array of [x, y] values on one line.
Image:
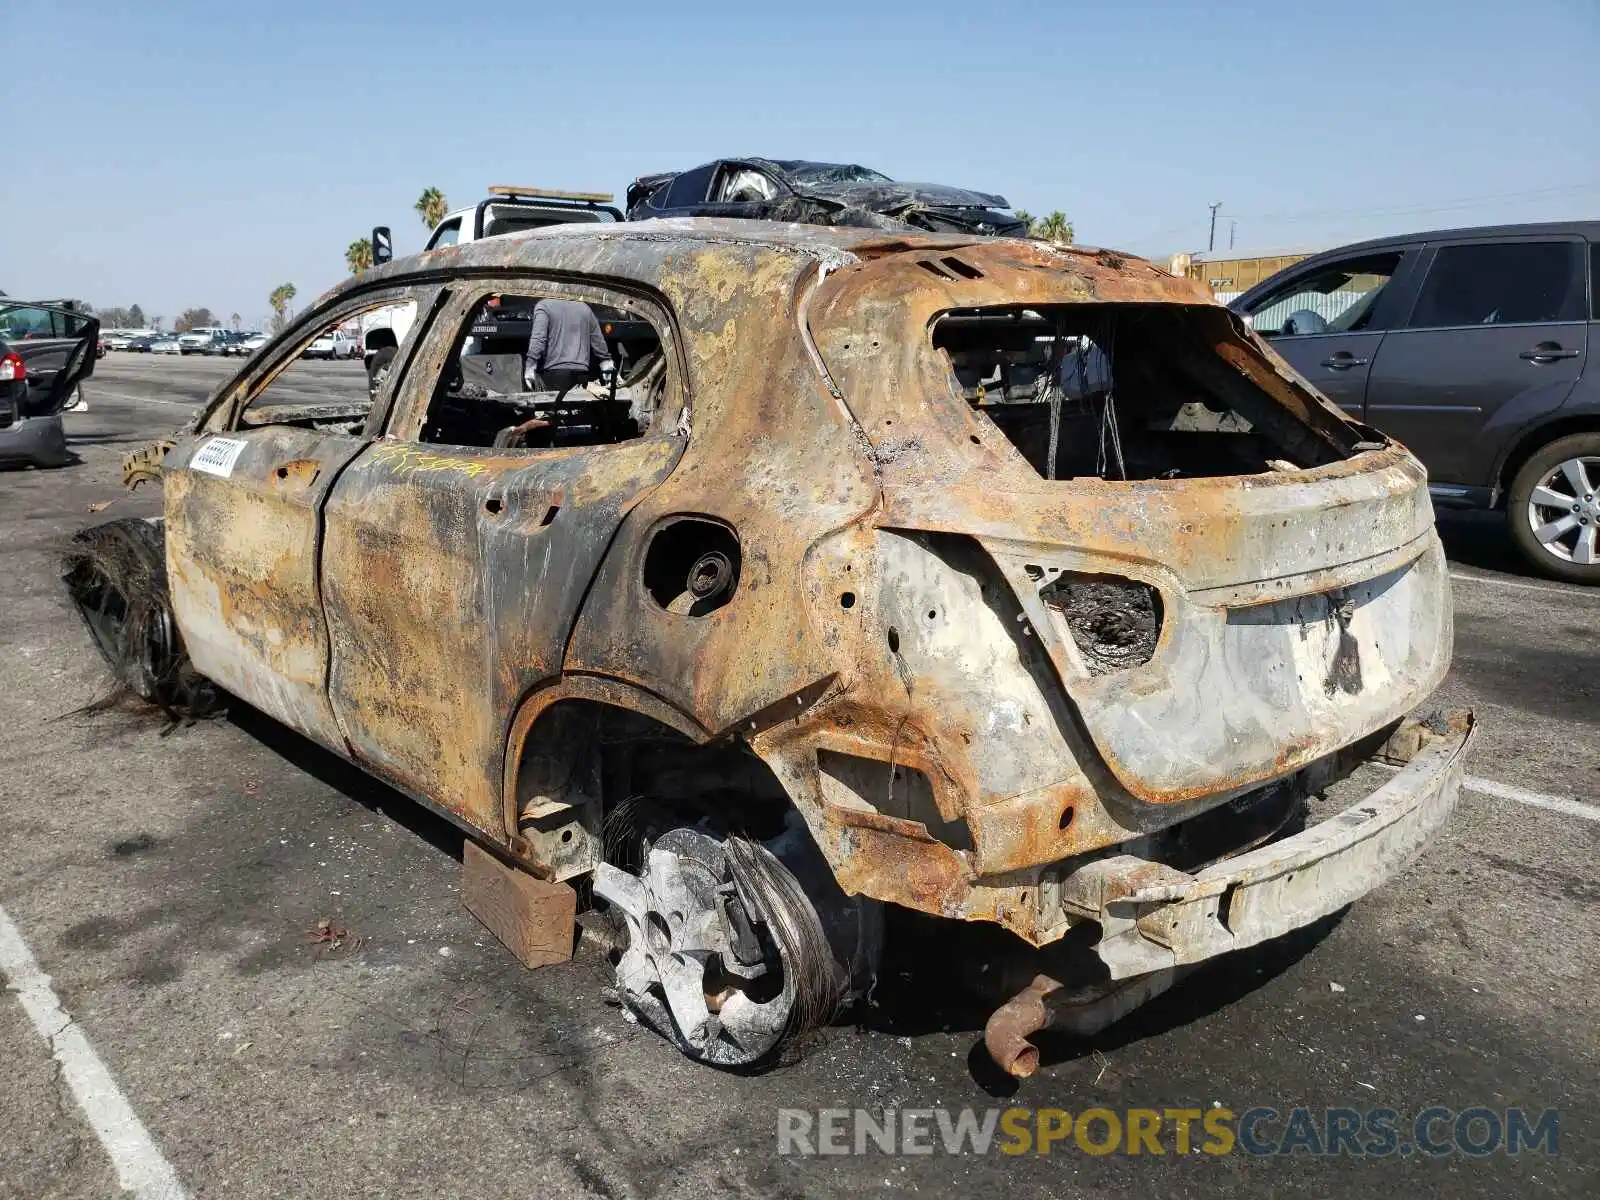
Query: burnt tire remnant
[[116, 574]]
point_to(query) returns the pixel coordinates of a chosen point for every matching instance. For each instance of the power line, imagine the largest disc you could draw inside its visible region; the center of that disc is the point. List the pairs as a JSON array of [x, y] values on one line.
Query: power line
[[1401, 210], [1465, 202]]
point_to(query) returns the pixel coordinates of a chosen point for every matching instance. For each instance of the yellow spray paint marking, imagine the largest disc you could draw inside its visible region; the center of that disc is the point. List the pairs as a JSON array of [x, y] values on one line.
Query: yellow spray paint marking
[[405, 460]]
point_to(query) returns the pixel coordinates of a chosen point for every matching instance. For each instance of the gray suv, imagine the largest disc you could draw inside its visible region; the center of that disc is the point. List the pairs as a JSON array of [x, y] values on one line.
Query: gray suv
[[1469, 346]]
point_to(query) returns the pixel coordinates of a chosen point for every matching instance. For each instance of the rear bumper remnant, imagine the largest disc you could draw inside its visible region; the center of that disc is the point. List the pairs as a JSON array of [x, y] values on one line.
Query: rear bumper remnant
[[1155, 919]]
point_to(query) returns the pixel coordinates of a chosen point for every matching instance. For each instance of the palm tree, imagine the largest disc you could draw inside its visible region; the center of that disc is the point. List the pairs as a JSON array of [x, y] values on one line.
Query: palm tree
[[236, 320], [358, 256], [1054, 228], [431, 206], [279, 298], [1026, 218]]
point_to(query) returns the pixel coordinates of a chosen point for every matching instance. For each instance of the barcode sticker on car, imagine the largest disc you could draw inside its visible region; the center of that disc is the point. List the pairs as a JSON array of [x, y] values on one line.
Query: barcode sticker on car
[[218, 455]]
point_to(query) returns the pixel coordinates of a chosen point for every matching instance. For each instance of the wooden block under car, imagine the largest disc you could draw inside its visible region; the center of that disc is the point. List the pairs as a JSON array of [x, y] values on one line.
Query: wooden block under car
[[534, 917]]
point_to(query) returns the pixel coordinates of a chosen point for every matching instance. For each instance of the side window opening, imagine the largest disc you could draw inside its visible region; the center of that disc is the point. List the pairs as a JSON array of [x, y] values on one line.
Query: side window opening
[[1119, 392], [535, 372], [447, 234], [1501, 283], [1339, 298], [326, 385], [738, 184], [690, 187]]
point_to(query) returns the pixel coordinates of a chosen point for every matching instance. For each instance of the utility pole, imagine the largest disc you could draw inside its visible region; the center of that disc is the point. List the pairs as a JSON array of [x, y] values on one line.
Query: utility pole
[[1233, 228], [1211, 242]]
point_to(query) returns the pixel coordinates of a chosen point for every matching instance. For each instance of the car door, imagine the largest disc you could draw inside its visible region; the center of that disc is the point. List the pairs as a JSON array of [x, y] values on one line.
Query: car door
[[1328, 320], [452, 570], [1496, 338], [54, 348], [243, 508]]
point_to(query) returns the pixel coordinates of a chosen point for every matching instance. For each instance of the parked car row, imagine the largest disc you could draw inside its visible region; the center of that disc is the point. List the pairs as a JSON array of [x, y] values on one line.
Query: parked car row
[[205, 340]]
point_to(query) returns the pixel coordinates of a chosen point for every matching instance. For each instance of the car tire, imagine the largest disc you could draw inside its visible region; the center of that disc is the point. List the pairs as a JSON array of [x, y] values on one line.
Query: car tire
[[378, 369], [116, 575], [1553, 509]]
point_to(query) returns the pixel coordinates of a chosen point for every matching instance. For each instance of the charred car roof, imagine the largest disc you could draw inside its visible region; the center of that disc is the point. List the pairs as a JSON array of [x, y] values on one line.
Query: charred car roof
[[662, 239]]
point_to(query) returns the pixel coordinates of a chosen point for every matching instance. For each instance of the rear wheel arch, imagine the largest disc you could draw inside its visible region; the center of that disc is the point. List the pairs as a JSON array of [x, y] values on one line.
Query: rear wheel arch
[[546, 741], [1531, 441], [522, 741], [1556, 542], [696, 844]]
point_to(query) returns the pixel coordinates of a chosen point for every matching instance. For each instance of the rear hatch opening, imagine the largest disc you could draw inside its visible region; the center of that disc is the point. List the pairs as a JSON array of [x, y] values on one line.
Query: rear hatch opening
[[1133, 392]]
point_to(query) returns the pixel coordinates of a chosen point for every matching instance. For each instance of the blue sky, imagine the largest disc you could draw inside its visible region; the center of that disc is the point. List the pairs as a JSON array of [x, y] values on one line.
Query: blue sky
[[177, 154]]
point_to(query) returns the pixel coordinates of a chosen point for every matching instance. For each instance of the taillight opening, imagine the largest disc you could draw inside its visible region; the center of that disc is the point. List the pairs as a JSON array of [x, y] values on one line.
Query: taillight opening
[[1115, 623], [12, 368]]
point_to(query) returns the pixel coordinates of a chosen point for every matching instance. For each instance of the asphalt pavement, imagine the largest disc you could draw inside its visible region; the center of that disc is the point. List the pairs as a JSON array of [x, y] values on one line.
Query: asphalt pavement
[[169, 882]]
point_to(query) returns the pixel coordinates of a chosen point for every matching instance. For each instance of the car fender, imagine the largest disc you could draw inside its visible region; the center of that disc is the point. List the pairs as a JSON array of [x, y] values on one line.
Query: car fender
[[618, 693], [1523, 423]]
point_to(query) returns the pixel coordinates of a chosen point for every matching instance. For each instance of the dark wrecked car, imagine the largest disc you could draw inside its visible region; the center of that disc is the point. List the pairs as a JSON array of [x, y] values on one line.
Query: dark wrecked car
[[46, 351], [816, 193], [1019, 587]]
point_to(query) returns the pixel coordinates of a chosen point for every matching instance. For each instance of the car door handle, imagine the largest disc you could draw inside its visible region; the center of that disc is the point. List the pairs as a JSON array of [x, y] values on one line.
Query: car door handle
[[1343, 361], [1547, 352]]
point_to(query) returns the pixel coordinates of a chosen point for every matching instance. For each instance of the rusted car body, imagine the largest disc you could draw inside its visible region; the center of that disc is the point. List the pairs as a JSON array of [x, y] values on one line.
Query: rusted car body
[[1001, 651]]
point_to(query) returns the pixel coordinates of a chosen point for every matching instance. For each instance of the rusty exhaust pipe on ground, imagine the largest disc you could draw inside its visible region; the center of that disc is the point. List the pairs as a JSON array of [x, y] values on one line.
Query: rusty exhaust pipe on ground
[[1011, 1025]]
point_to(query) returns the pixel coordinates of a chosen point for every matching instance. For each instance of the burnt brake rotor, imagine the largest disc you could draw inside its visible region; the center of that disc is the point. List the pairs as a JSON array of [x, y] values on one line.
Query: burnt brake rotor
[[727, 954], [711, 576]]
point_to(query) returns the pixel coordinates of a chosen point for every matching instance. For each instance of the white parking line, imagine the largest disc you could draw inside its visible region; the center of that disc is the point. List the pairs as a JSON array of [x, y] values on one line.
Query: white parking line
[[141, 1168], [1571, 593], [1505, 791], [1560, 804]]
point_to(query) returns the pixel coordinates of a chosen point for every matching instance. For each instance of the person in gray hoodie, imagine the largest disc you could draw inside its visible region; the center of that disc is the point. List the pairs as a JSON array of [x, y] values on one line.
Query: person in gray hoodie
[[566, 345]]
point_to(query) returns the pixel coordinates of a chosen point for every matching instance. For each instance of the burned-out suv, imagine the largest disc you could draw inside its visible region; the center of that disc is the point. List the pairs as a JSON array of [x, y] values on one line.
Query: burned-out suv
[[1470, 346], [1016, 586]]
